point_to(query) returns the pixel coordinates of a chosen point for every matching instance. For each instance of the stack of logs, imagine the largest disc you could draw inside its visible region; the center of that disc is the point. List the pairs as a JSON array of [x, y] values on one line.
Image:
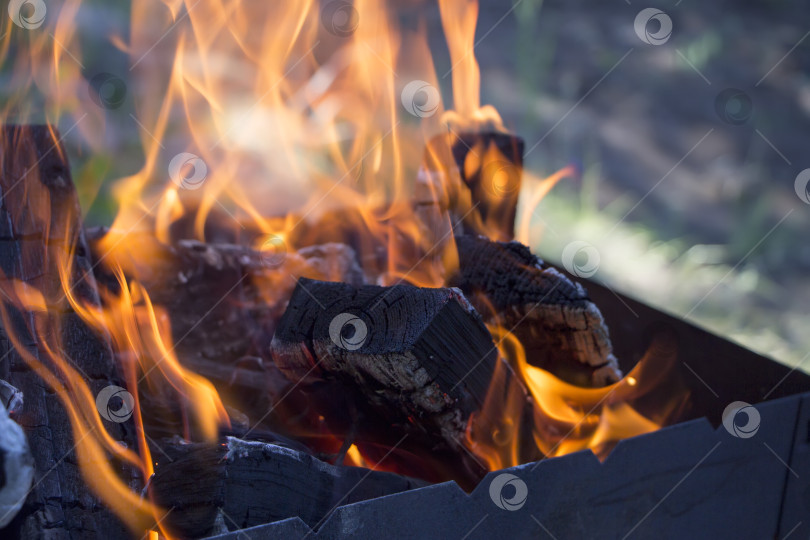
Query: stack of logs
[[333, 361]]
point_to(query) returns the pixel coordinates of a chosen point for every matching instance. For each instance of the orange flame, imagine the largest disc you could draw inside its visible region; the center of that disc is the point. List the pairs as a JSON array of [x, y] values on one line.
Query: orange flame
[[287, 125]]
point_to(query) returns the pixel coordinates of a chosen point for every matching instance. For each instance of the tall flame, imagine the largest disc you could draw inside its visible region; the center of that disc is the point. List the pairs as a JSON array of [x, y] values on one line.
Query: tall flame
[[260, 119]]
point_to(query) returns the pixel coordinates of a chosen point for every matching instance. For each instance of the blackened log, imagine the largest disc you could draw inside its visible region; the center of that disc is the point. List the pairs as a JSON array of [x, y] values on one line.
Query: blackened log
[[219, 488], [421, 358], [476, 178], [560, 328], [39, 216], [223, 302], [419, 353]]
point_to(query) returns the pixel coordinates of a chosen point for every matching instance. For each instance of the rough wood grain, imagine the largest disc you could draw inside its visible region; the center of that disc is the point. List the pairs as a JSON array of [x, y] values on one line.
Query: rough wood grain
[[238, 484], [421, 358], [420, 353], [476, 178], [38, 216], [224, 300], [559, 326]]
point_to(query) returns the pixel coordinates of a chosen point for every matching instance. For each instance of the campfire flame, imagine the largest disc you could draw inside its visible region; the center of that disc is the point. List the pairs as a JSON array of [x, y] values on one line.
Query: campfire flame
[[263, 118]]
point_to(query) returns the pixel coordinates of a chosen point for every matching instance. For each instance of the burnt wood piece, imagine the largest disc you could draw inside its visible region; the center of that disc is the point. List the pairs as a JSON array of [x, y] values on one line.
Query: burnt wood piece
[[422, 358], [218, 488], [223, 302], [560, 328], [39, 216], [477, 178]]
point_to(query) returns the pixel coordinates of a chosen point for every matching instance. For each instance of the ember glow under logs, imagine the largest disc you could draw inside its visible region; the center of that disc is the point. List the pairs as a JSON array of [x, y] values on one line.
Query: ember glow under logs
[[310, 294]]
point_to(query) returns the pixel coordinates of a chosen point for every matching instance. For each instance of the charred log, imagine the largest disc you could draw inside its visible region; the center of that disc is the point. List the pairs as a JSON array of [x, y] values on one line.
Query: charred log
[[559, 326], [38, 222], [219, 488], [422, 358], [476, 177], [223, 302]]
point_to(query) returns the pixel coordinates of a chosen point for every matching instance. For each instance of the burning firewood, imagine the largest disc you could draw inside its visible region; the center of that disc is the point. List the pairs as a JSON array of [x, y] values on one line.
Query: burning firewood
[[422, 358], [476, 177], [560, 328], [224, 299], [38, 218], [216, 488]]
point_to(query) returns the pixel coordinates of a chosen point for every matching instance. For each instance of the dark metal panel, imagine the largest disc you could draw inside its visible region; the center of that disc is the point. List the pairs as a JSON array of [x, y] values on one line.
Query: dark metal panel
[[715, 370], [684, 481], [796, 505]]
